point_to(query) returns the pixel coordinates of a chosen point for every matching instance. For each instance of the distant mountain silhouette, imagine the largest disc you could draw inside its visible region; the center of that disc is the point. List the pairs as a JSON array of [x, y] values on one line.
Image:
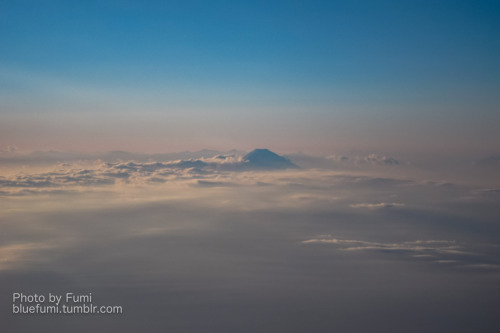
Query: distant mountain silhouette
[[266, 159]]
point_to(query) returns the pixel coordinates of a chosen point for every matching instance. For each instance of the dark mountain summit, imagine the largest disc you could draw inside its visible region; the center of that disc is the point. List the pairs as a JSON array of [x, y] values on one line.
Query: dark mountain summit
[[266, 159]]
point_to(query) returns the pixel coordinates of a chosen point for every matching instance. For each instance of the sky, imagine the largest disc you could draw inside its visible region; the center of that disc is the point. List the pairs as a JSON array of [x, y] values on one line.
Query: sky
[[125, 172], [315, 76]]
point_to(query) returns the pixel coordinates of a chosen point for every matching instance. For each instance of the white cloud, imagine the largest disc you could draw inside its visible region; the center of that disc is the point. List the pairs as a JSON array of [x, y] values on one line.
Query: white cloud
[[412, 246], [416, 249], [377, 205]]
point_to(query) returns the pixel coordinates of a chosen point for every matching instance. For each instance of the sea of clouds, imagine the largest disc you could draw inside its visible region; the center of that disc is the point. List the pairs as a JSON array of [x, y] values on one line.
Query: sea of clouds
[[203, 245]]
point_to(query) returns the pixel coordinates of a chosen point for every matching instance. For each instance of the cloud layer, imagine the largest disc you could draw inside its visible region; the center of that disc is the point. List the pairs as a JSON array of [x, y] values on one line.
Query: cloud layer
[[202, 245]]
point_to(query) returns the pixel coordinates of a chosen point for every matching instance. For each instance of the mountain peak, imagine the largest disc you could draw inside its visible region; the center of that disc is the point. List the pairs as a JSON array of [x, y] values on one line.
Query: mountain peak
[[266, 159]]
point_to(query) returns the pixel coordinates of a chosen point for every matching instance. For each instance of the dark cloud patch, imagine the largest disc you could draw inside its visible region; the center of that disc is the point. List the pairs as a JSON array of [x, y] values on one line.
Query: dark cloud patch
[[23, 192], [27, 181], [487, 193], [207, 183], [491, 161]]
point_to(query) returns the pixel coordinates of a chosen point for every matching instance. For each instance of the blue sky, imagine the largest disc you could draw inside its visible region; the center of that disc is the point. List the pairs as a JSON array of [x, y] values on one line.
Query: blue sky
[[370, 65]]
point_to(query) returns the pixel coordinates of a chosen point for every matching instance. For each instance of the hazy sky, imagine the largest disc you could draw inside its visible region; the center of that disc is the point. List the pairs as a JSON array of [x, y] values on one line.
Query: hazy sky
[[319, 76]]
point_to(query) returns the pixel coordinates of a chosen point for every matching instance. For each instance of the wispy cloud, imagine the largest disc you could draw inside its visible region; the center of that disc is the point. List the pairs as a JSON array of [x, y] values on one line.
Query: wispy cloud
[[377, 205], [370, 159], [446, 252], [428, 246]]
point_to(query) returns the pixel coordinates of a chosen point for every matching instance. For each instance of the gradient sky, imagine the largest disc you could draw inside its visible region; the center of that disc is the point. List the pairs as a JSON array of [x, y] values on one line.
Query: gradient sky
[[393, 229], [317, 76]]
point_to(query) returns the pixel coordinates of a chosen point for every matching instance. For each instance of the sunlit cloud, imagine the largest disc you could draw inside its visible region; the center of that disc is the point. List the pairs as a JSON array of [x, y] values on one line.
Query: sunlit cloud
[[20, 254], [377, 205], [408, 246]]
